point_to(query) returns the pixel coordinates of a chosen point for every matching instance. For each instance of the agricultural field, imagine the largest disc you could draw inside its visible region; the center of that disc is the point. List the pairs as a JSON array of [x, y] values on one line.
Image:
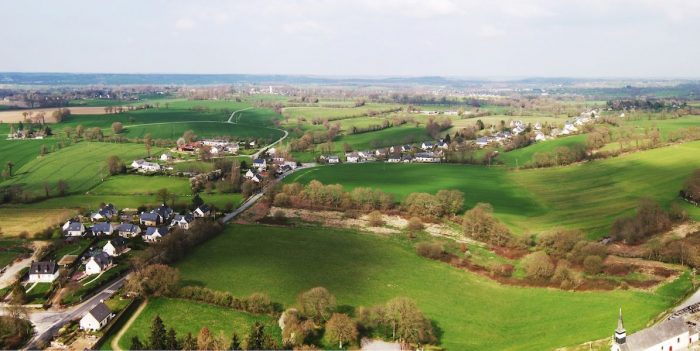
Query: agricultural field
[[587, 196], [523, 156], [332, 113], [142, 185], [10, 249], [178, 315], [17, 219], [82, 166], [174, 130], [471, 312]]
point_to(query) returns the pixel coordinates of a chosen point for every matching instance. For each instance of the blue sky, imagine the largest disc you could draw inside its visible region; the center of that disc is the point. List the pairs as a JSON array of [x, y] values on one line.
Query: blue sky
[[498, 38]]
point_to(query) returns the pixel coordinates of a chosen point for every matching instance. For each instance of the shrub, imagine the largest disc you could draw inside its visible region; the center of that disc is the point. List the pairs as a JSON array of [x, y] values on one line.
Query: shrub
[[430, 250], [279, 215], [376, 219], [415, 224], [538, 265], [593, 264]]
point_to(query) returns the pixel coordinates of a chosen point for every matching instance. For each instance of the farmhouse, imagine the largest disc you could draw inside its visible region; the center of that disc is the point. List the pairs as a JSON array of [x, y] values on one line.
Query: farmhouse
[[96, 318], [98, 263], [75, 229], [674, 334], [393, 159], [166, 157], [352, 157], [115, 246], [250, 173], [154, 234], [427, 145], [145, 166], [331, 159], [182, 221], [164, 212], [427, 157], [102, 228], [43, 272], [128, 230]]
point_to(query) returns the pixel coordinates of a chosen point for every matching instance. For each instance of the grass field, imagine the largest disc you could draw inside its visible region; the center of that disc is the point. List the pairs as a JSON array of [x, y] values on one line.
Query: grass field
[[142, 185], [587, 196], [38, 294], [523, 156], [189, 317], [11, 249], [173, 131], [22, 151], [15, 220], [82, 166], [471, 312], [334, 112]]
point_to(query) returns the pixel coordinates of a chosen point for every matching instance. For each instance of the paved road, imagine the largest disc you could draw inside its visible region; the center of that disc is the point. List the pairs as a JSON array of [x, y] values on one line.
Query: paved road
[[691, 300], [46, 323], [266, 147]]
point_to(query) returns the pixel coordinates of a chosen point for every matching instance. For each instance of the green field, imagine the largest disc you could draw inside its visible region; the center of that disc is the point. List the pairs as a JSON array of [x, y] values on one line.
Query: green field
[[174, 130], [142, 185], [189, 317], [587, 196], [472, 312], [82, 166], [21, 151], [334, 112], [523, 156], [11, 249]]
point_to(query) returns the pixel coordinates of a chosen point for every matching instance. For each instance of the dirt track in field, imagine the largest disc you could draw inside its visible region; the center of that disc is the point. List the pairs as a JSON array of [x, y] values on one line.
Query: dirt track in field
[[17, 116]]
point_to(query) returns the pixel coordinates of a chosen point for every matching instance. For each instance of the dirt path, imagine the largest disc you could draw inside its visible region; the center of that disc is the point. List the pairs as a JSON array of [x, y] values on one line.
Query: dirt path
[[125, 327]]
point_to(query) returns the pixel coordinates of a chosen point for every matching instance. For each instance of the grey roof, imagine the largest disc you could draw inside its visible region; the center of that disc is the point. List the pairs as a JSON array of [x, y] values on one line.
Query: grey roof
[[100, 312], [102, 227], [75, 226], [128, 227], [118, 242], [163, 231], [150, 216], [164, 211], [187, 218], [649, 337], [258, 161], [102, 258], [44, 267], [204, 208]]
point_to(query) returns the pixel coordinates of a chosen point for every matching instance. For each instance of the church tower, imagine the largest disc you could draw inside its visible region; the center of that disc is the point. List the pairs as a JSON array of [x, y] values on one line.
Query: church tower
[[620, 333]]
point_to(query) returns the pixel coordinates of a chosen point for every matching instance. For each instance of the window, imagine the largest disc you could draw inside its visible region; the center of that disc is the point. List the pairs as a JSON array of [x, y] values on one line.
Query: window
[[679, 340]]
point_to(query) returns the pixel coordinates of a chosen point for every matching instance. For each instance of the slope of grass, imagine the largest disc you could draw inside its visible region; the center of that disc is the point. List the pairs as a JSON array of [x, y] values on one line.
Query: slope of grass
[[142, 185], [189, 317], [587, 196], [82, 166], [523, 156], [173, 131], [363, 269]]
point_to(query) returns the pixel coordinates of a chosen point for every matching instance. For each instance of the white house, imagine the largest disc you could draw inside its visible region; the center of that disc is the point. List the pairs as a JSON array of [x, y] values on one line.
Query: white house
[[352, 157], [260, 163], [427, 157], [202, 211], [333, 159], [183, 221], [154, 234], [569, 129], [96, 318], [250, 173], [98, 263], [136, 164], [115, 246], [393, 159], [427, 145], [669, 335], [43, 272], [539, 136], [166, 157], [145, 166], [75, 229], [106, 212]]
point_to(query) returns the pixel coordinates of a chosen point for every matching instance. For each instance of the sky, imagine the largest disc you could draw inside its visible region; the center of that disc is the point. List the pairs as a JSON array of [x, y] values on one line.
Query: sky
[[469, 39]]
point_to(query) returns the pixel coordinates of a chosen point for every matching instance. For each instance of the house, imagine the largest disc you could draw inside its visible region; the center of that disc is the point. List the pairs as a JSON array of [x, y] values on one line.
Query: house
[[250, 173], [291, 164], [427, 145], [482, 141], [443, 145], [406, 148], [136, 164], [202, 211], [75, 229], [406, 159], [166, 157], [260, 163], [183, 221], [145, 166], [102, 228], [569, 129], [154, 234], [128, 230], [352, 157], [669, 335], [333, 159], [96, 318], [393, 159], [257, 178], [165, 212], [150, 219], [115, 246], [98, 263], [538, 126], [539, 136], [381, 153], [366, 154], [427, 157], [106, 212], [43, 272]]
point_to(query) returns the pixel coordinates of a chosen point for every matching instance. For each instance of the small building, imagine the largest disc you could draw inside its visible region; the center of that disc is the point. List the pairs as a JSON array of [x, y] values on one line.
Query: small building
[[43, 272], [427, 145], [183, 221], [105, 213], [145, 166], [165, 212], [202, 211], [333, 159], [260, 163], [128, 230], [250, 173], [166, 157], [669, 335], [102, 228], [393, 159], [154, 234], [115, 247], [427, 157], [98, 263], [150, 219], [96, 318], [352, 157], [75, 229]]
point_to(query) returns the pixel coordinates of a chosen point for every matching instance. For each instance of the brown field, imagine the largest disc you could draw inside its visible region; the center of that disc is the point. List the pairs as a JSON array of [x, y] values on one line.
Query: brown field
[[16, 116], [14, 221]]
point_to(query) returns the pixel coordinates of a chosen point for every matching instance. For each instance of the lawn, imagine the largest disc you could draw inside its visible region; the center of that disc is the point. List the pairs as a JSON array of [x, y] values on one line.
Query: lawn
[[523, 156], [587, 196], [10, 249], [38, 294], [21, 152], [332, 113], [363, 269], [189, 317], [142, 185], [82, 166]]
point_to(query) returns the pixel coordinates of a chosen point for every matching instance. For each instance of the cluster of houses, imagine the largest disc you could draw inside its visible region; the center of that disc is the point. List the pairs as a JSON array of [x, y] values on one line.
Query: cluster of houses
[[426, 152], [27, 134], [259, 169], [216, 146]]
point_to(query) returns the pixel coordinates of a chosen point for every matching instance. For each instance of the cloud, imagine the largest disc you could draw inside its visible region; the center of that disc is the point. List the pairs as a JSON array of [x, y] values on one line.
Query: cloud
[[184, 24], [489, 31], [303, 27]]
